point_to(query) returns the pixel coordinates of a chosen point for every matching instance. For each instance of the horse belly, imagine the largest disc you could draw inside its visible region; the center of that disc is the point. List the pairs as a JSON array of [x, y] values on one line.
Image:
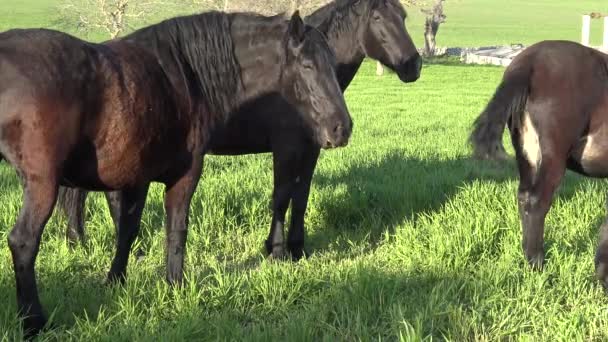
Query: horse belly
[[117, 163], [241, 135]]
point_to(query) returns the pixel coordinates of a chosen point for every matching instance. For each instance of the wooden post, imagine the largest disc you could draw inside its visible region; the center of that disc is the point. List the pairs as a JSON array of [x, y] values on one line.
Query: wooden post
[[586, 30], [605, 40]]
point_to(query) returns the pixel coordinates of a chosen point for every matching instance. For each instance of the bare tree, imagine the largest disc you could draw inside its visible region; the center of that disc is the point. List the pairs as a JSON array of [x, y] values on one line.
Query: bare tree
[[434, 18], [277, 6], [112, 17], [116, 17], [205, 5]]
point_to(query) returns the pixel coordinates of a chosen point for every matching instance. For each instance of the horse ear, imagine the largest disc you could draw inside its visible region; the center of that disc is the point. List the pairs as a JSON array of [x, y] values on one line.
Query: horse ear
[[296, 27]]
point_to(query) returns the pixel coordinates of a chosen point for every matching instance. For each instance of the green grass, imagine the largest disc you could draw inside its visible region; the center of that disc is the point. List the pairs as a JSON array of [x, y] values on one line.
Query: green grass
[[487, 22], [411, 239]]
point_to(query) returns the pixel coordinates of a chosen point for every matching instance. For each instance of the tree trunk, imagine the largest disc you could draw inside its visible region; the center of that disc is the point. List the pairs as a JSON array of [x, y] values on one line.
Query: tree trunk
[[430, 31], [431, 27], [295, 4]]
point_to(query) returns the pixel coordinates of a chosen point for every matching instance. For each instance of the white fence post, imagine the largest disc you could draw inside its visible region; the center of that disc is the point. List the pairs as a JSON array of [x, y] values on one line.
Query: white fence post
[[586, 30], [605, 41]]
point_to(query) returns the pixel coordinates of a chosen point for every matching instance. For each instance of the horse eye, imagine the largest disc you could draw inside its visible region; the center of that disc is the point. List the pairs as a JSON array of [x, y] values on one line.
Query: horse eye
[[307, 66], [377, 18]]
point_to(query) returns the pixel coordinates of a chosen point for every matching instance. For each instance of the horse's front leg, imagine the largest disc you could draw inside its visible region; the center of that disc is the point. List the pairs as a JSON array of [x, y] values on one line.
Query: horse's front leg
[[178, 196], [281, 194], [129, 209], [299, 200]]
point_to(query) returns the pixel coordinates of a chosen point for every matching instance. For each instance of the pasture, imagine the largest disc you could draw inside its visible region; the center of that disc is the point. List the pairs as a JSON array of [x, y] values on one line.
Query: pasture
[[410, 238]]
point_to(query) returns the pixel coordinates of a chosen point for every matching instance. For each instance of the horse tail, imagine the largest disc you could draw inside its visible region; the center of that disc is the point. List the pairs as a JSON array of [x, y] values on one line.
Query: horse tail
[[508, 101]]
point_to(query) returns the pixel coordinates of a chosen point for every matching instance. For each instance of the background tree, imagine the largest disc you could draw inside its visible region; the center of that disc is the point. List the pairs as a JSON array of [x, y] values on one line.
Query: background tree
[[434, 18], [110, 17], [113, 18]]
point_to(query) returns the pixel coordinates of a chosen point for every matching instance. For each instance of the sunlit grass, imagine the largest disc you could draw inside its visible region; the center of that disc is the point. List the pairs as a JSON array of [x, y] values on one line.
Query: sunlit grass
[[410, 238]]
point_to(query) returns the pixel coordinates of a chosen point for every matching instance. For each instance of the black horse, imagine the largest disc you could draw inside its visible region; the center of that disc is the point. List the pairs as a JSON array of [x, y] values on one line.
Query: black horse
[[115, 116], [555, 97], [354, 29]]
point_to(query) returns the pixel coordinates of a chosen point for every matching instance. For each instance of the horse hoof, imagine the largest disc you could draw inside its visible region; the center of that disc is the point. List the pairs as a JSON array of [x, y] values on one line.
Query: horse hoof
[[537, 261], [277, 254], [33, 326], [116, 279], [298, 254], [601, 271]]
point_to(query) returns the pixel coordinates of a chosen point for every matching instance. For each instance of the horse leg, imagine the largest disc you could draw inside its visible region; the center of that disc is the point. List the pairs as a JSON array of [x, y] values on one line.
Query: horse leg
[[283, 185], [130, 207], [178, 196], [113, 200], [601, 256], [299, 201], [541, 169], [72, 203], [39, 196]]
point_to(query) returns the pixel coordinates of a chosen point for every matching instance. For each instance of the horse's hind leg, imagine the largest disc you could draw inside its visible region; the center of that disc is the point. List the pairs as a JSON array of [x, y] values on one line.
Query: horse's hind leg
[[72, 203], [601, 257], [128, 216], [39, 195], [541, 169]]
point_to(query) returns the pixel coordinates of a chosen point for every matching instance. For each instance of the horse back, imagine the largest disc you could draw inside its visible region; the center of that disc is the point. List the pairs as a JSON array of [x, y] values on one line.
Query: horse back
[[102, 113]]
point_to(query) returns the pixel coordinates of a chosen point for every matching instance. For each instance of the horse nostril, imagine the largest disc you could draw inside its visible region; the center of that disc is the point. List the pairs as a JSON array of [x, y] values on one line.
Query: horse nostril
[[338, 128]]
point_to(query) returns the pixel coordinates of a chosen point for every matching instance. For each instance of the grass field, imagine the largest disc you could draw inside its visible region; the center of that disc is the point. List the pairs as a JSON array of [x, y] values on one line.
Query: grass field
[[410, 239]]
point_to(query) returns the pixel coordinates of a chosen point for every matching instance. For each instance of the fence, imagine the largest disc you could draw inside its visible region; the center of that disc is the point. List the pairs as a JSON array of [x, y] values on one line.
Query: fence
[[586, 29]]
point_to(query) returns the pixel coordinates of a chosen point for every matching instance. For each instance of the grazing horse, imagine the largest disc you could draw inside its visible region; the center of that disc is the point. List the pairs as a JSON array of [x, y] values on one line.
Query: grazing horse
[[555, 97], [115, 116], [354, 29]]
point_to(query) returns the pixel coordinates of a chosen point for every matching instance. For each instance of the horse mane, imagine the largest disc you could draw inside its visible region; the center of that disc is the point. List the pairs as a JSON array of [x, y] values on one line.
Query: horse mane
[[201, 47], [336, 17]]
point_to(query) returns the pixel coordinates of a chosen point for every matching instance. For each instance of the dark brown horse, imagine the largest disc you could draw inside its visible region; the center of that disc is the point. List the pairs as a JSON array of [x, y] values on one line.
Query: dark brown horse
[[111, 117], [555, 97], [354, 29]]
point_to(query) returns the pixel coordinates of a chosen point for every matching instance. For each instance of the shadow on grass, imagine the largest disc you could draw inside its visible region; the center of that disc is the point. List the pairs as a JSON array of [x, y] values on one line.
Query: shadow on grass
[[366, 303], [380, 197], [66, 294]]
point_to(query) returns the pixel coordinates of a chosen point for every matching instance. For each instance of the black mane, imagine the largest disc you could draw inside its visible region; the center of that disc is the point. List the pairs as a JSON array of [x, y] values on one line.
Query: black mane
[[335, 17], [199, 50], [331, 17]]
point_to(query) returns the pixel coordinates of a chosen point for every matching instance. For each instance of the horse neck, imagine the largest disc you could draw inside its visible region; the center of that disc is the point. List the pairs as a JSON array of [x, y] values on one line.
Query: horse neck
[[260, 54], [347, 48]]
